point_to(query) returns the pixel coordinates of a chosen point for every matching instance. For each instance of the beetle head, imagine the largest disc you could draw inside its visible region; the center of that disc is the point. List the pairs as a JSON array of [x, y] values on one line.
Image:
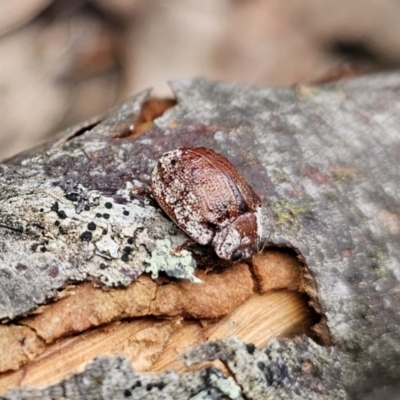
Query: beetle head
[[240, 239]]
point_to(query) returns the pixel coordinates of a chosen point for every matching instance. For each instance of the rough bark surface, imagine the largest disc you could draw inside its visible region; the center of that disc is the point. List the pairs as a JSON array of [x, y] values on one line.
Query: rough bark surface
[[298, 370], [324, 160]]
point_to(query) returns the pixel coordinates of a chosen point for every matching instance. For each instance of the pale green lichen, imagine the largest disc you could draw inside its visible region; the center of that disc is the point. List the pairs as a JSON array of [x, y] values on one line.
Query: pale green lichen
[[226, 385], [280, 176], [286, 212], [175, 264]]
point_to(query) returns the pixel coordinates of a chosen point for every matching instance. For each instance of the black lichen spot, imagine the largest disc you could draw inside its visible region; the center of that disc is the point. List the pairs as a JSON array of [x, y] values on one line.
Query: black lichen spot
[[126, 212], [104, 232], [54, 207], [87, 207], [43, 249], [125, 258], [127, 250], [91, 226], [34, 246], [86, 236], [72, 196], [98, 215], [250, 348], [261, 365], [108, 205], [103, 266], [41, 210], [130, 241], [149, 386], [106, 216], [127, 393], [21, 267], [62, 230], [61, 214], [160, 385], [269, 377], [135, 385], [57, 223]]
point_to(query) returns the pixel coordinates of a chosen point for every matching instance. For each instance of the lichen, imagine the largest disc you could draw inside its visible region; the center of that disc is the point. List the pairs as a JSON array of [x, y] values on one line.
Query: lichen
[[70, 232], [280, 176], [226, 385], [295, 369], [286, 212], [285, 369], [175, 264]]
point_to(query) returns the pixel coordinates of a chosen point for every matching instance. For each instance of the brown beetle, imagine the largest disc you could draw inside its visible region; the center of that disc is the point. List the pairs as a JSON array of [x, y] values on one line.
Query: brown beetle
[[203, 193]]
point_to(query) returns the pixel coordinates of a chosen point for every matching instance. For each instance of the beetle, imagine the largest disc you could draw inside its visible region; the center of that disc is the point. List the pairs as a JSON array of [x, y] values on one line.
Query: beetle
[[204, 194]]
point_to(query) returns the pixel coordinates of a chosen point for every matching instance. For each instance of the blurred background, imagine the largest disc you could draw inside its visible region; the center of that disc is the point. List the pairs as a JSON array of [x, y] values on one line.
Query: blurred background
[[63, 61]]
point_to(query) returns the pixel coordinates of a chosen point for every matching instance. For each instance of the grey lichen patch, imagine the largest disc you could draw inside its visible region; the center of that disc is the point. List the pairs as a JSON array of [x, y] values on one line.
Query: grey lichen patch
[[284, 369], [70, 233], [114, 378]]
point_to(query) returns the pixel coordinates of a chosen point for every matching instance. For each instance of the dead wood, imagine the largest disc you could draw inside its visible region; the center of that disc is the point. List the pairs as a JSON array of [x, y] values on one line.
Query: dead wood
[[324, 161]]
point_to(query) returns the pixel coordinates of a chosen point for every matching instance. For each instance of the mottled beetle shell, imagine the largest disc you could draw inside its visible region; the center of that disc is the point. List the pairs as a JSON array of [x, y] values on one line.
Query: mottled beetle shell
[[202, 192]]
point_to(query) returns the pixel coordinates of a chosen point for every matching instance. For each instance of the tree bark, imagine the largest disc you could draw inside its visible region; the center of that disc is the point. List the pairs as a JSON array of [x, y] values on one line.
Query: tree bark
[[324, 161]]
